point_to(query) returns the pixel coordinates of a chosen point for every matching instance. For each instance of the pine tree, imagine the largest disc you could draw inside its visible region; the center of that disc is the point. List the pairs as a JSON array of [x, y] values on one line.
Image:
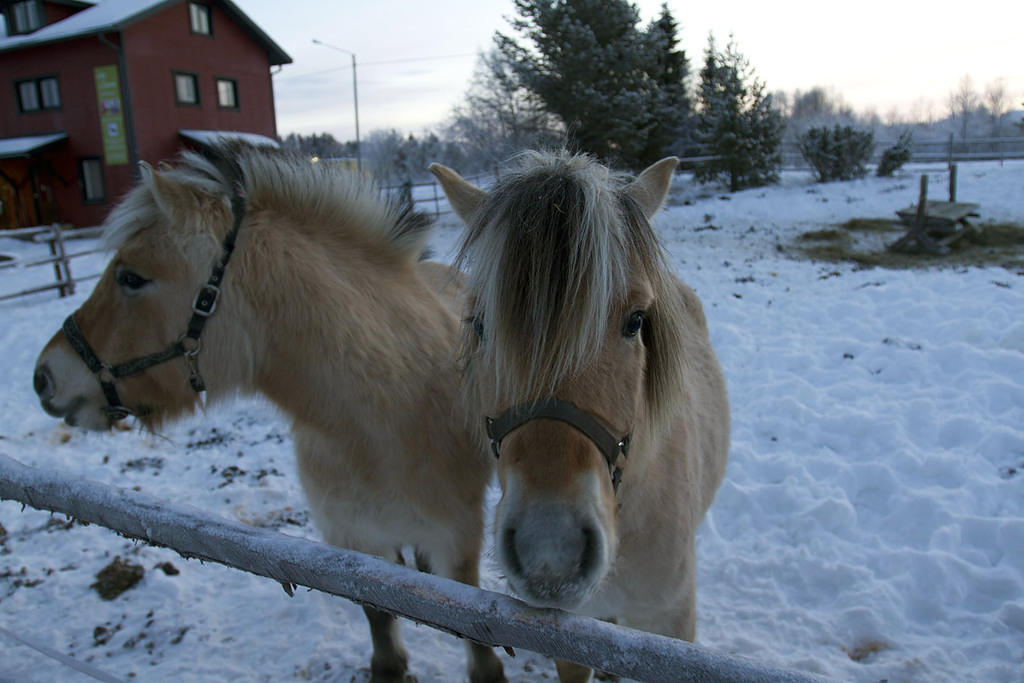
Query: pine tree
[[670, 69], [736, 121], [592, 67]]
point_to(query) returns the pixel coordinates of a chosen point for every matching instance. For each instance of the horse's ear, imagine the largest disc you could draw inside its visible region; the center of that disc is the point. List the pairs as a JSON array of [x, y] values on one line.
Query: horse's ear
[[171, 196], [651, 186], [462, 195]]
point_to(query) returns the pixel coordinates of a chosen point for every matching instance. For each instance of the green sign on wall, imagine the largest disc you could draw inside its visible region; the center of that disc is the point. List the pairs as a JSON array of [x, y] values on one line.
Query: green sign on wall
[[108, 97]]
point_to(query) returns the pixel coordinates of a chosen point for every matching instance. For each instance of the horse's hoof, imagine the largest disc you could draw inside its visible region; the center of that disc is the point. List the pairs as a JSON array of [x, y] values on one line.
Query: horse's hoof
[[391, 677], [489, 677]]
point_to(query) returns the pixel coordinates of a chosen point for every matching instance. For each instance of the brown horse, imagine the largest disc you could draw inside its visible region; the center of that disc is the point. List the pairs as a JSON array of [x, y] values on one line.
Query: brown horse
[[310, 292], [603, 399]]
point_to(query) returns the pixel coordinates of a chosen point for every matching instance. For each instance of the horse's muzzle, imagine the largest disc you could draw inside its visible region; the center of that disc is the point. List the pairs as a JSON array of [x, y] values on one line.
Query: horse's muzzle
[[552, 555], [42, 382]]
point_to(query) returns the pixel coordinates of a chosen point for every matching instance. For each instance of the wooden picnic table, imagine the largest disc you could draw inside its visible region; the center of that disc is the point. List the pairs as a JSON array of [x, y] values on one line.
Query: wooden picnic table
[[941, 214], [932, 226]]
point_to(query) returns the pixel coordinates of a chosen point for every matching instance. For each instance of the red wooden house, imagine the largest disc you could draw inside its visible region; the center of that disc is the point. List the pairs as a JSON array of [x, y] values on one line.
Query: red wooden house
[[89, 89]]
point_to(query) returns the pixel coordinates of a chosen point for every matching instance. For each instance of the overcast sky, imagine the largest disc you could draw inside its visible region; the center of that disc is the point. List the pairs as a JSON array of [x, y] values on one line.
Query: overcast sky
[[415, 59]]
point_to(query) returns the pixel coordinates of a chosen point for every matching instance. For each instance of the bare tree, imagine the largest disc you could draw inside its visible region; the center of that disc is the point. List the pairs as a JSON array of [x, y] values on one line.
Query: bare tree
[[998, 103], [500, 117], [963, 105], [923, 111]]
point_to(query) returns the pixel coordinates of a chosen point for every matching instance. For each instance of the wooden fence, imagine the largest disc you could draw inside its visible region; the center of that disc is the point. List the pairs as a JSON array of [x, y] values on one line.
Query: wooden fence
[[482, 616], [57, 237], [948, 151]]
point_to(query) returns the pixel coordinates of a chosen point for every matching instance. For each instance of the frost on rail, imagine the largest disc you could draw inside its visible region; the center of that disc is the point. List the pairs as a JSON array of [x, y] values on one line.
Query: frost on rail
[[479, 615]]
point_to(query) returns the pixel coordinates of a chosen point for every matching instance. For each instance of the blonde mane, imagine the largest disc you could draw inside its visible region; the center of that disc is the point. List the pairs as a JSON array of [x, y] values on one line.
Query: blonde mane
[[275, 181], [549, 253]]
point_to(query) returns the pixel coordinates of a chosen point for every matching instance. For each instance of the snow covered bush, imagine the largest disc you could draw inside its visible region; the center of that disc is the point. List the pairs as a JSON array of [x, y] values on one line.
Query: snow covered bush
[[839, 153], [894, 157]]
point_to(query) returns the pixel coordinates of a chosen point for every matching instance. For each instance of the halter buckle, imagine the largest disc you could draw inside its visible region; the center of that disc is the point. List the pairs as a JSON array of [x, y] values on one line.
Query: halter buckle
[[495, 440], [205, 302]]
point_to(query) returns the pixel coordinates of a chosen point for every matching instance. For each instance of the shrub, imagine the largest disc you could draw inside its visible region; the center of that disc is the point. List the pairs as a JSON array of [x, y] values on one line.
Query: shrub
[[840, 153], [894, 157], [737, 122]]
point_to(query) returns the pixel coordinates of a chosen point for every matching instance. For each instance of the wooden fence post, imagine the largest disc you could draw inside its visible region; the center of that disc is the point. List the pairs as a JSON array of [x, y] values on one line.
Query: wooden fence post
[[58, 250], [922, 199], [952, 183]]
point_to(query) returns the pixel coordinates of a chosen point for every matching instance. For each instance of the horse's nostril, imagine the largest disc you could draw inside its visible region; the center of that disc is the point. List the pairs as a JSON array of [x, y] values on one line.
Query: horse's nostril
[[511, 553], [589, 557], [42, 382]]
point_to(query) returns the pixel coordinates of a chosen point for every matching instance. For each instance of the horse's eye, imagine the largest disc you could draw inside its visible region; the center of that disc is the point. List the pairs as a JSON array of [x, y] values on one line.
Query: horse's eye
[[634, 324], [131, 280], [478, 325]]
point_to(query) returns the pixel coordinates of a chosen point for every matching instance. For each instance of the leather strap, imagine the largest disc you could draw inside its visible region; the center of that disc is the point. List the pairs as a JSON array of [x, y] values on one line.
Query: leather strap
[[563, 411], [203, 306]]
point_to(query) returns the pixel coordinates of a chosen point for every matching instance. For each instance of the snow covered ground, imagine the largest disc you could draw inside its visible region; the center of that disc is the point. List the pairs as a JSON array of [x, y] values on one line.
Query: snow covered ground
[[871, 523]]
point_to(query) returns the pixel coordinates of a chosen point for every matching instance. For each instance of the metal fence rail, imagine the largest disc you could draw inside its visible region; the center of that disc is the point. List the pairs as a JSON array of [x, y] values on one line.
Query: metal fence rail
[[482, 616]]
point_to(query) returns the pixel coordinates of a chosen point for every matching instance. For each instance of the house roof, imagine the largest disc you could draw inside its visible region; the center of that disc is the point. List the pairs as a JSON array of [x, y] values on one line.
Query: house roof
[[116, 15], [12, 148]]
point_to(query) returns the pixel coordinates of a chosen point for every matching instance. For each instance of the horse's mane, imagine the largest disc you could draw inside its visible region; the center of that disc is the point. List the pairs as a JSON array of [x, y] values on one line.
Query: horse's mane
[[549, 252], [310, 194]]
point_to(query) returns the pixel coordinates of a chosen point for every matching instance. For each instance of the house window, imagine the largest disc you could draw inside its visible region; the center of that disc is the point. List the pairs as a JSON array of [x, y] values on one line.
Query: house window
[[186, 88], [227, 93], [36, 94], [90, 173], [26, 16], [199, 18], [49, 92], [28, 96]]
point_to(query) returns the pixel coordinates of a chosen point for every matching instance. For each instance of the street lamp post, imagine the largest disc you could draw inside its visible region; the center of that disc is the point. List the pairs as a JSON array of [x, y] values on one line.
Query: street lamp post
[[355, 98]]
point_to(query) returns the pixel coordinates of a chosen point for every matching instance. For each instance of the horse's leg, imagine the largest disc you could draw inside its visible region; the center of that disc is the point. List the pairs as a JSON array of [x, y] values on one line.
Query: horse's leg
[[567, 671], [572, 673], [684, 623], [390, 662], [484, 666], [324, 483]]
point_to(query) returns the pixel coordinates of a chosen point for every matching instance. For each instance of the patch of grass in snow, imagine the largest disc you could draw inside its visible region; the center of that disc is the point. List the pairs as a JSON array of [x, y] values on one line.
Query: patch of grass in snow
[[864, 240], [872, 225], [864, 651], [828, 235]]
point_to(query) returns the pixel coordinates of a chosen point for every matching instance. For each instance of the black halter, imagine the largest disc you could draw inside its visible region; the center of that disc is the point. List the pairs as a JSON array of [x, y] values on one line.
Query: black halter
[[554, 409], [187, 345]]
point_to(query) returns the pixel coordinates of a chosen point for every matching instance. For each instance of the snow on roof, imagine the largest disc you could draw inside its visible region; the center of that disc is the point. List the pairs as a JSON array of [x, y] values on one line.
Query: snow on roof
[[210, 137], [115, 15], [24, 146], [109, 15]]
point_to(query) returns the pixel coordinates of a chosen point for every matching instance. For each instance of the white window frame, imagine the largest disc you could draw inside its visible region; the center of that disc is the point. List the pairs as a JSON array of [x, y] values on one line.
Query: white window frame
[[27, 16], [187, 95], [227, 86], [28, 96], [49, 92], [199, 18], [41, 93], [90, 171]]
